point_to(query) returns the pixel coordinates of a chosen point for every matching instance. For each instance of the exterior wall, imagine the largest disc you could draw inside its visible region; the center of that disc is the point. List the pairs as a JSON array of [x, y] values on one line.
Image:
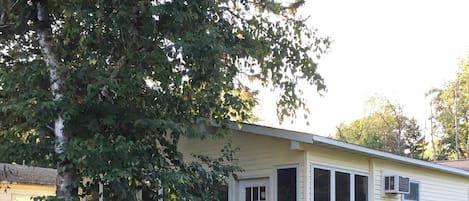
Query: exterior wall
[[23, 192], [434, 185], [320, 156], [259, 156]]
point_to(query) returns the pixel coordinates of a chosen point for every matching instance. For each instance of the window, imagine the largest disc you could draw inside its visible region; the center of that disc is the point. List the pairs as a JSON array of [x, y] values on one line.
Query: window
[[342, 186], [322, 185], [414, 192], [147, 195], [361, 188], [223, 192], [255, 193], [286, 184], [335, 185], [253, 190]]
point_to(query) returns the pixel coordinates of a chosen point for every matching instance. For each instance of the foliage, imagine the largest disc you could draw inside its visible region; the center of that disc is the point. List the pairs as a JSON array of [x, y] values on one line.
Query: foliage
[[450, 102], [385, 128], [135, 76]]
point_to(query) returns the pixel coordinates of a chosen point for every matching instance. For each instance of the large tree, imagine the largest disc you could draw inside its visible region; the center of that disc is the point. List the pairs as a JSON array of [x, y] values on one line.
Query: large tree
[[387, 128], [104, 89], [451, 114]]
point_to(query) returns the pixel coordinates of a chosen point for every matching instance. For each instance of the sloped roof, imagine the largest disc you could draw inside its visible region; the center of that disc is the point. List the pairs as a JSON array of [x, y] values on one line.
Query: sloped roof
[[316, 139], [461, 164], [22, 174]]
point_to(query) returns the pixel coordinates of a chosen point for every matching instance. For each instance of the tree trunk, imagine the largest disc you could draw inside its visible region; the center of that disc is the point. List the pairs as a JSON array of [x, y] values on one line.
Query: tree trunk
[[467, 142], [467, 145], [432, 133], [456, 122], [65, 169]]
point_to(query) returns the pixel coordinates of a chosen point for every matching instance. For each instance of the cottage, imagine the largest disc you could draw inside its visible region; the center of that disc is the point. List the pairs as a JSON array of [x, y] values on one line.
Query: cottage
[[284, 165], [20, 183]]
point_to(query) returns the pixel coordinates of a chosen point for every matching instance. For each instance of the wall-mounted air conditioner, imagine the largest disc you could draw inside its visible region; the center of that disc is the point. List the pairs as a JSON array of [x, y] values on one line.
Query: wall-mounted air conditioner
[[396, 184]]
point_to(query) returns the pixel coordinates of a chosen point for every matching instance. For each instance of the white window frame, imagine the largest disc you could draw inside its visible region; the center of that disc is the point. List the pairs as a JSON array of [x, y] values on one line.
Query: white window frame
[[418, 189], [332, 171], [252, 182], [275, 183]]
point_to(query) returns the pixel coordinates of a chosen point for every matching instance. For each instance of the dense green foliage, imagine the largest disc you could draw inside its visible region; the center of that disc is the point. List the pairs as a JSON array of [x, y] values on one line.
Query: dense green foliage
[[135, 76], [386, 128], [450, 105]]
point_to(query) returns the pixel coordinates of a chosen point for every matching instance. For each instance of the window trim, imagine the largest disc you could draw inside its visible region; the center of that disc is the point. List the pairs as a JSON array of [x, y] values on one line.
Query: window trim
[[253, 181], [332, 171], [275, 183], [418, 189]]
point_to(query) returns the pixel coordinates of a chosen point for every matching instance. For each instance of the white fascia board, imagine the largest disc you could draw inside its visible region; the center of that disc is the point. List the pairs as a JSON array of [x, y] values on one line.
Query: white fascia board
[[311, 138], [388, 156], [274, 132]]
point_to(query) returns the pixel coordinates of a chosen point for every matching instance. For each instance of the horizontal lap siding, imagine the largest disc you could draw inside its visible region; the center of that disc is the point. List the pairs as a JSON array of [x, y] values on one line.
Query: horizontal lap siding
[[258, 155], [334, 158], [318, 155], [434, 185], [24, 191]]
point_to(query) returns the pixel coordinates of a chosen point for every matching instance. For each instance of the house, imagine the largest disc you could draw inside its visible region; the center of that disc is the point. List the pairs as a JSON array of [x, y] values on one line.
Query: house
[[284, 165], [20, 182], [461, 164]]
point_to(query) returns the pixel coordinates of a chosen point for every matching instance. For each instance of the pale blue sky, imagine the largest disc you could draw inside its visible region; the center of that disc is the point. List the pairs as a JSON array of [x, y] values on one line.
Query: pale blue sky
[[396, 48]]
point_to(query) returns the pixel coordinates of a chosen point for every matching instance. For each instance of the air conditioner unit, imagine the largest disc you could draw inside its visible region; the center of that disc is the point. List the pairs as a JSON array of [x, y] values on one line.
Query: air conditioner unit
[[396, 184]]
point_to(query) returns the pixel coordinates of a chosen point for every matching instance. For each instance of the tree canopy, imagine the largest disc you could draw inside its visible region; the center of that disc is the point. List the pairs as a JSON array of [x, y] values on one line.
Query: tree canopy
[[385, 127], [450, 106], [104, 89]]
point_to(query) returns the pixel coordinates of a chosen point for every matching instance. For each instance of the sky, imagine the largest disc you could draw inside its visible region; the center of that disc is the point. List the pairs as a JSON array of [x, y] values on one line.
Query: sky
[[399, 49]]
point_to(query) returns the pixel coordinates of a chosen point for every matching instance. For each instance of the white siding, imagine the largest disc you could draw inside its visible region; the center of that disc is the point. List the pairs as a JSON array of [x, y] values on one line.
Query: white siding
[[434, 185], [259, 156], [325, 156], [23, 192]]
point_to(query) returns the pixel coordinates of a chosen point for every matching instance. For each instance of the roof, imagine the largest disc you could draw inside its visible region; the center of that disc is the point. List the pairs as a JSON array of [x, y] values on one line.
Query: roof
[[461, 164], [316, 139], [22, 174]]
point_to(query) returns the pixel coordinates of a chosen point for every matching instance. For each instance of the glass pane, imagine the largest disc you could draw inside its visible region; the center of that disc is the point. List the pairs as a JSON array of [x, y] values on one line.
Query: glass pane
[[361, 188], [248, 194], [342, 186], [263, 193], [147, 195], [414, 192], [391, 182], [322, 185], [386, 183], [286, 184], [223, 192], [255, 194]]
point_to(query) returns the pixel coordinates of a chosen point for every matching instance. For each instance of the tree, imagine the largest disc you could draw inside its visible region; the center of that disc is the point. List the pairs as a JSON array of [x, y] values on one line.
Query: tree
[[385, 128], [106, 88], [414, 140], [451, 106]]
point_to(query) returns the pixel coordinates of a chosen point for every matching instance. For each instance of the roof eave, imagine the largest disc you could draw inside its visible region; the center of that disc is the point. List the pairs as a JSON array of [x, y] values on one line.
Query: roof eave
[[311, 138], [389, 156]]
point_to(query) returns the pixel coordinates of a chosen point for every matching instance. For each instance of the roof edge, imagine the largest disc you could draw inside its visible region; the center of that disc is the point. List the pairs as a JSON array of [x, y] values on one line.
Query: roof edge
[[313, 138]]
